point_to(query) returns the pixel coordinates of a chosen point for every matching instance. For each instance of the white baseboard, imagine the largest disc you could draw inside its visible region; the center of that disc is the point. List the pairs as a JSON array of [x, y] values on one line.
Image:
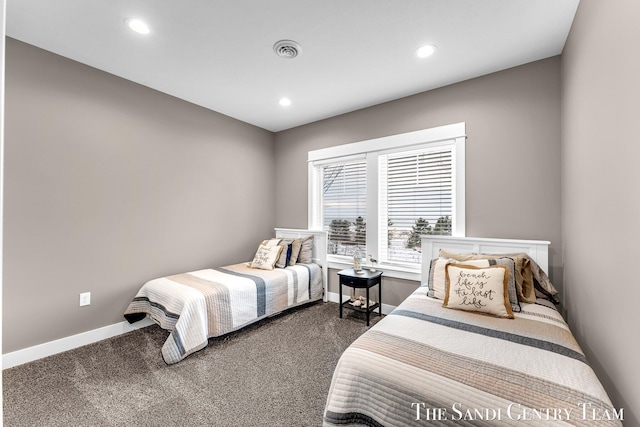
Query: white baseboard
[[333, 297], [36, 352], [19, 357]]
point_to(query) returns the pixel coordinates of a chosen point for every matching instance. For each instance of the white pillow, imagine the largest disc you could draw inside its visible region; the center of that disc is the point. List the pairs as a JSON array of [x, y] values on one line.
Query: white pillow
[[478, 289]]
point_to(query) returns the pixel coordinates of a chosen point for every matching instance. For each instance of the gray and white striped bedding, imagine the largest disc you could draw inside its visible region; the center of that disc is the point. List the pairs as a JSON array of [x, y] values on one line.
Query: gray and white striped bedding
[[428, 365], [198, 305]]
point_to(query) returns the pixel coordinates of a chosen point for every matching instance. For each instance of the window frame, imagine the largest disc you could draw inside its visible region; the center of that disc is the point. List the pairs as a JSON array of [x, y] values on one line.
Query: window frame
[[453, 135]]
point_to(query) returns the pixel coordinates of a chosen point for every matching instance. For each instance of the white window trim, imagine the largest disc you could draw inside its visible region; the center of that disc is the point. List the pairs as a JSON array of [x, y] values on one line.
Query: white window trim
[[449, 134]]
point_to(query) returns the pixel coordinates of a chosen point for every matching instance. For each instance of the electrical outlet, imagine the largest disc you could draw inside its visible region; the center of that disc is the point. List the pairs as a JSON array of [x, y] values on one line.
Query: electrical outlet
[[85, 298]]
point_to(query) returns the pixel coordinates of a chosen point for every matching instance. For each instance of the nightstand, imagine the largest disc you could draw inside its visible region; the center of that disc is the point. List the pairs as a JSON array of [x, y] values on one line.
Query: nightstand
[[365, 280]]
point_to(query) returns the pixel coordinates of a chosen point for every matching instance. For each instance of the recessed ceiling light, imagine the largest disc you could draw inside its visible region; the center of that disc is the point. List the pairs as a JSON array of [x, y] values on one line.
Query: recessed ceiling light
[[425, 51], [285, 102], [137, 25]]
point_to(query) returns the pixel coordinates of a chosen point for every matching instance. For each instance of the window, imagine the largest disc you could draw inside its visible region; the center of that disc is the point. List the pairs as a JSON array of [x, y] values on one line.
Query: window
[[415, 198], [379, 196], [344, 194]]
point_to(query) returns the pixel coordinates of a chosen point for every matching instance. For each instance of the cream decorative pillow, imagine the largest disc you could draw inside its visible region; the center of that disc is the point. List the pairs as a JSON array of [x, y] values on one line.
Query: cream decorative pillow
[[266, 256], [437, 274], [270, 242], [481, 289], [524, 270]]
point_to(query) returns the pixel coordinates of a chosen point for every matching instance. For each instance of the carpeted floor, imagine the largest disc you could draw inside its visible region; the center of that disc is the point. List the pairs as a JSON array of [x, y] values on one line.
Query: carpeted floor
[[274, 373]]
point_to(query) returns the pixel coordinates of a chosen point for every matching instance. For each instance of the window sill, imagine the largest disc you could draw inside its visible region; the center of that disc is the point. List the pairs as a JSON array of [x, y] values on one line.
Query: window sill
[[387, 270]]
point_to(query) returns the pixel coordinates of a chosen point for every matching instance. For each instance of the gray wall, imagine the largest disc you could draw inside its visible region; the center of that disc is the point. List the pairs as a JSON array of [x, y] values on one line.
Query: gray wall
[[109, 184], [513, 154], [601, 187]]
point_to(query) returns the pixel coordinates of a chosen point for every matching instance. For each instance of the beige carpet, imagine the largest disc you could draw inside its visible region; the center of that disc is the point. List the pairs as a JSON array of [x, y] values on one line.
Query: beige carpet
[[275, 373]]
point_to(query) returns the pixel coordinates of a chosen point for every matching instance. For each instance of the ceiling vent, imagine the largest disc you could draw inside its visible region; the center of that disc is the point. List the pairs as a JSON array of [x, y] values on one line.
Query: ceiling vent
[[287, 49]]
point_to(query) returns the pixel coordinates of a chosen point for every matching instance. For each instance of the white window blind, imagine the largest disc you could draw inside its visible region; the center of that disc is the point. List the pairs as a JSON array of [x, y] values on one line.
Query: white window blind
[[344, 197], [416, 198]]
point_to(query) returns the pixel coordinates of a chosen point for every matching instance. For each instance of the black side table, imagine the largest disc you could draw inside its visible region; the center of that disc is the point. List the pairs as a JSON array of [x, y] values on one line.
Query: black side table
[[366, 279]]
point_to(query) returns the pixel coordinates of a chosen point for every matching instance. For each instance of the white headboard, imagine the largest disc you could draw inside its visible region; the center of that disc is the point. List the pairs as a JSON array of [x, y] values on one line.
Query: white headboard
[[319, 254], [538, 250]]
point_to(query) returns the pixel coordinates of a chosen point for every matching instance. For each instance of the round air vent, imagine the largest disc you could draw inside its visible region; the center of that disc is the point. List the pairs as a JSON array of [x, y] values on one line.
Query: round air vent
[[287, 49]]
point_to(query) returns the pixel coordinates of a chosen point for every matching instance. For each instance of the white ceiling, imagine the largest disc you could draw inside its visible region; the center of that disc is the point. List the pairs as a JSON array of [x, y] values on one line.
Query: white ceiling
[[355, 53]]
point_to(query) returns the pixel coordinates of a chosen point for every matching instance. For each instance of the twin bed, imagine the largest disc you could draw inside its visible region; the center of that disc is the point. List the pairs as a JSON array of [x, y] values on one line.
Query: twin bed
[[424, 363], [203, 304]]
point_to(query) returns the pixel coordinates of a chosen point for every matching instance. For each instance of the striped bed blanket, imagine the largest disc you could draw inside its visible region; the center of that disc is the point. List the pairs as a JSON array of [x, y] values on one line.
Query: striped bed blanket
[[202, 304], [428, 365]]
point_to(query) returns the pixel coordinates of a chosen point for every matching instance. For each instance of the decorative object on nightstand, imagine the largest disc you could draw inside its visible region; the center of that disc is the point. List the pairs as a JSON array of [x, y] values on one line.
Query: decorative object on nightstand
[[365, 279], [373, 262], [357, 261]]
